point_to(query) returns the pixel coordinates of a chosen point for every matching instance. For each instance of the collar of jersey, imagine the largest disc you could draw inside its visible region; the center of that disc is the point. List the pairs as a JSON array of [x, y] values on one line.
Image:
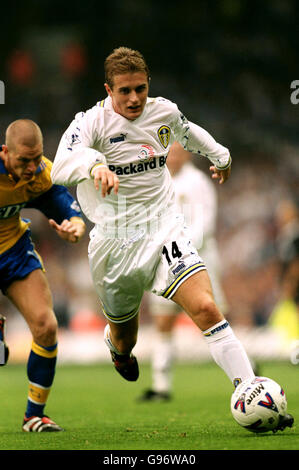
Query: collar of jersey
[[3, 170], [2, 167]]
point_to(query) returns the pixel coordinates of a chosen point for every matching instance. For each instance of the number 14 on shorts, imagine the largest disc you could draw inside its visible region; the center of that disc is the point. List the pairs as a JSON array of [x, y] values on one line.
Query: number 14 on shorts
[[175, 252]]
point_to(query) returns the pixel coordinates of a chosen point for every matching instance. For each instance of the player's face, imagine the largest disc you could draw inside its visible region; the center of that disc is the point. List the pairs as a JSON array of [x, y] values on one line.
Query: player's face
[[129, 94], [22, 162]]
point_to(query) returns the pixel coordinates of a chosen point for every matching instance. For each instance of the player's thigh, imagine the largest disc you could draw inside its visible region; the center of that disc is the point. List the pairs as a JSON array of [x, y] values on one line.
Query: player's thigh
[[164, 323], [195, 296], [32, 297], [164, 312]]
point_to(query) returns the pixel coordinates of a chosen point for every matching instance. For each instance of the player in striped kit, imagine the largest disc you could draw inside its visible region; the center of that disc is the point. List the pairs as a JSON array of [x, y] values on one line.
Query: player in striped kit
[[197, 198], [139, 242], [25, 182]]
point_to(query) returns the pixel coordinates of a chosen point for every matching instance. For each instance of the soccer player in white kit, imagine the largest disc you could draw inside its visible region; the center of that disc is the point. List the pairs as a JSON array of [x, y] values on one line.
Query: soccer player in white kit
[[116, 153], [197, 198]]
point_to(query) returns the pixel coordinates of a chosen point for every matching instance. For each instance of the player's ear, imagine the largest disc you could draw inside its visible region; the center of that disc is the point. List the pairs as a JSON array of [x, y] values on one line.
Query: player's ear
[[108, 89], [4, 148]]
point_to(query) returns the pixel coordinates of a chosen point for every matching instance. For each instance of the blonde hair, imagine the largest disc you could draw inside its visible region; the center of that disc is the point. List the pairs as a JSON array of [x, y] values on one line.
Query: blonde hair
[[124, 60]]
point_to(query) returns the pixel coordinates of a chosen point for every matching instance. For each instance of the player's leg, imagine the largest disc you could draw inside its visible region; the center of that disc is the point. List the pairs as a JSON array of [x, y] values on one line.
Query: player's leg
[[196, 298], [32, 297], [164, 314], [123, 336], [121, 339], [4, 350], [162, 358], [163, 354]]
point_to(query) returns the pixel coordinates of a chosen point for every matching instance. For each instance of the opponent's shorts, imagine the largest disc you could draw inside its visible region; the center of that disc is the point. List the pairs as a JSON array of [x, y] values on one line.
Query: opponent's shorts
[[17, 262], [123, 269]]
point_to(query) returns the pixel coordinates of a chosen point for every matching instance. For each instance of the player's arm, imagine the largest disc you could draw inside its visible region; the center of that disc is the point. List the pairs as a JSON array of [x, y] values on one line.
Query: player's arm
[[71, 230], [76, 160], [63, 212], [197, 140], [202, 143]]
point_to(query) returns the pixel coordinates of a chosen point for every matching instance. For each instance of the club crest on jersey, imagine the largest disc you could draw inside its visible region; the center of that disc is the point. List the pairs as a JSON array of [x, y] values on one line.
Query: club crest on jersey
[[164, 135], [146, 153]]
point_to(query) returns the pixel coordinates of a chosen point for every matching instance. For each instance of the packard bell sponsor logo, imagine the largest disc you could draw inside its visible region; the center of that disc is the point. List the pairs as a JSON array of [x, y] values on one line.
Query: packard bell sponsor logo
[[138, 167]]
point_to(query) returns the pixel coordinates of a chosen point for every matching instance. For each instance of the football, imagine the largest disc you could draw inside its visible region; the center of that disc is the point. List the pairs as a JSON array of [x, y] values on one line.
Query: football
[[258, 404]]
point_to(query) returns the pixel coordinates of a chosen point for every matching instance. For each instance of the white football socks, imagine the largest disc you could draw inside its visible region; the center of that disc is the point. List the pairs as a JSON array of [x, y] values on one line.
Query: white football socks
[[108, 341], [228, 352], [162, 361]]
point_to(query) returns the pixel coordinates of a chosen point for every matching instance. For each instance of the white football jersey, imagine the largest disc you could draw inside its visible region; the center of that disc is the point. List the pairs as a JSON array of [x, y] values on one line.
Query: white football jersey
[[196, 198], [136, 151]]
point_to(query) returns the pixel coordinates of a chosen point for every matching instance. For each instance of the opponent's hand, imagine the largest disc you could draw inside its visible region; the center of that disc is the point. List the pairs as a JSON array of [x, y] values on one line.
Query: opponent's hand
[[221, 175], [108, 180], [69, 230]]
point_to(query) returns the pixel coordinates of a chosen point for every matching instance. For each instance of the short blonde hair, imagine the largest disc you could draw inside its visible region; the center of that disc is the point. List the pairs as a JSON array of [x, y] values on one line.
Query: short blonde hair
[[124, 60], [23, 131]]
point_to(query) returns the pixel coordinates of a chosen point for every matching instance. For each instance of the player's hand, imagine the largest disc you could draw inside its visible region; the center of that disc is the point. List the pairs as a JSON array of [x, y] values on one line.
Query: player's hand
[[108, 180], [69, 230], [221, 175]]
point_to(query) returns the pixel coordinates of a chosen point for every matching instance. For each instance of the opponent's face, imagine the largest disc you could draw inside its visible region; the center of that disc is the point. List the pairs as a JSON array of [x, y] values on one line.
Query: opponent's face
[[22, 161], [129, 94]]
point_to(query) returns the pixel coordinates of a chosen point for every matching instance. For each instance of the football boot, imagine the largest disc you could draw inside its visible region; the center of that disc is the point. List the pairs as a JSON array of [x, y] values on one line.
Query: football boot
[[151, 395], [40, 424], [126, 365], [284, 421]]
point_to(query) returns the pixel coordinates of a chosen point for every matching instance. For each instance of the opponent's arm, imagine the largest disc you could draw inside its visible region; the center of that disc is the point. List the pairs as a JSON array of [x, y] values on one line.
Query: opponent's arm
[[71, 230], [63, 212]]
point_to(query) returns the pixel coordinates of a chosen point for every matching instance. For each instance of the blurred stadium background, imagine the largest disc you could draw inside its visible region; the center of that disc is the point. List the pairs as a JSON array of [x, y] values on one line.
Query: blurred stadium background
[[229, 66]]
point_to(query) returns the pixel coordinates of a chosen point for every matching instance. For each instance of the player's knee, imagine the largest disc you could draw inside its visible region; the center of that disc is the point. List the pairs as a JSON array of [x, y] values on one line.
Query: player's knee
[[205, 313], [45, 328]]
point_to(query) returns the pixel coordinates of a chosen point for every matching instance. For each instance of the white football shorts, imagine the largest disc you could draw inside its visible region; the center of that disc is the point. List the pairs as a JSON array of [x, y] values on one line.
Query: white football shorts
[[123, 269]]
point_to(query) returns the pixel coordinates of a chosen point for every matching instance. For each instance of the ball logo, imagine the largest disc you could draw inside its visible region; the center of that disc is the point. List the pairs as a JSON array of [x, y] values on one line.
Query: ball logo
[[269, 403], [240, 403]]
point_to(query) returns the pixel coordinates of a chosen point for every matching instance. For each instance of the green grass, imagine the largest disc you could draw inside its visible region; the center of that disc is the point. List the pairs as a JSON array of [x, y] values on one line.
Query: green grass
[[98, 410]]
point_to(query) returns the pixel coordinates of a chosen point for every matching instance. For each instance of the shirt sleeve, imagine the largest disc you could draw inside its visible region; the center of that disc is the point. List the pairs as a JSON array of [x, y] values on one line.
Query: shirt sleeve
[[57, 203], [76, 157], [197, 140]]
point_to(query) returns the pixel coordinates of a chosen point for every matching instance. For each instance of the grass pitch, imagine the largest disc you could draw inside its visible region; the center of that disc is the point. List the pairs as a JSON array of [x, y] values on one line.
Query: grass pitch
[[99, 411]]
